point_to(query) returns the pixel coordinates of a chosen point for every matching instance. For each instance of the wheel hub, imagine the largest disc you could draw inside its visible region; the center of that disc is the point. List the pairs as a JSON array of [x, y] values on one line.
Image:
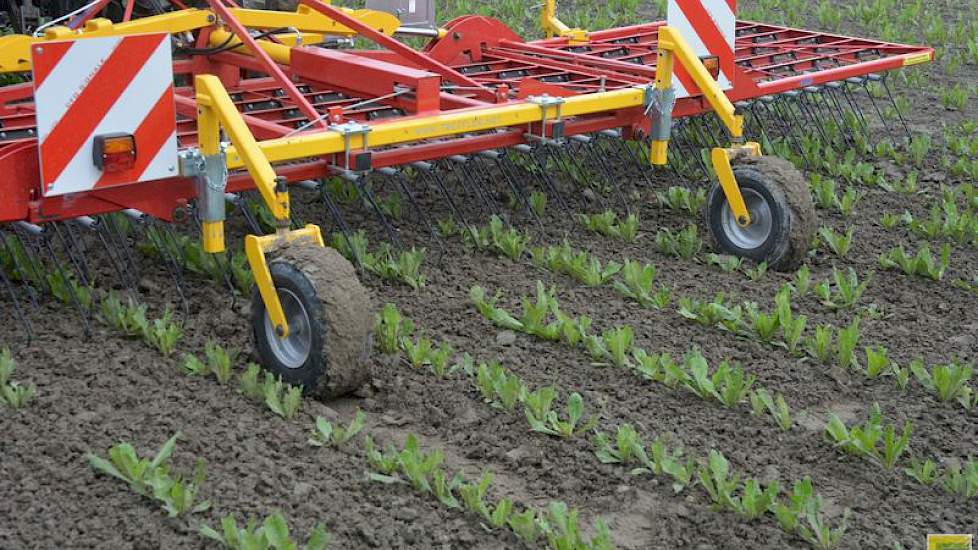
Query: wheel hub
[[755, 234], [292, 351]]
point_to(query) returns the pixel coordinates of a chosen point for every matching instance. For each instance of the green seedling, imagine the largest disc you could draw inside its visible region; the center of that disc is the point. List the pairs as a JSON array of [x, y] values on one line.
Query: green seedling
[[877, 361], [802, 281], [390, 328], [844, 291], [627, 449], [418, 351], [872, 440], [282, 399], [498, 387], [163, 333], [756, 272], [249, 384], [761, 401], [819, 345], [718, 481], [682, 199], [618, 341], [152, 478], [538, 203], [560, 525], [13, 394], [839, 244], [961, 479], [487, 308], [129, 319], [273, 533], [552, 424], [219, 361], [847, 342], [325, 433], [685, 243], [610, 225], [922, 471], [948, 382], [726, 263], [923, 264], [506, 240], [754, 502], [671, 463], [636, 281], [659, 367]]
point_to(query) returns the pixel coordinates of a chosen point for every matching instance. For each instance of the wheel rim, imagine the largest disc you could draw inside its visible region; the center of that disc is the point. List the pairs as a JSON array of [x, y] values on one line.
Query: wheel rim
[[756, 234], [292, 351]]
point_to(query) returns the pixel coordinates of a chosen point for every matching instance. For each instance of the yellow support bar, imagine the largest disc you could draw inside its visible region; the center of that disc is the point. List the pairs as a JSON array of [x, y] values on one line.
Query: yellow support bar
[[255, 249], [211, 96], [553, 26], [443, 125], [15, 55], [670, 40]]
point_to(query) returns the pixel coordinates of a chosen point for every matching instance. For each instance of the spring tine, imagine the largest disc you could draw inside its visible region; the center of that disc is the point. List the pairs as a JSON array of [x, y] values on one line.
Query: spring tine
[[873, 77], [420, 215], [238, 202], [44, 237], [502, 163], [896, 108], [789, 124], [853, 104], [170, 262], [487, 181], [540, 170], [91, 224], [602, 161], [337, 216], [434, 176], [21, 316], [20, 272], [831, 92], [71, 247], [363, 189], [628, 154], [472, 184], [807, 113], [121, 243]]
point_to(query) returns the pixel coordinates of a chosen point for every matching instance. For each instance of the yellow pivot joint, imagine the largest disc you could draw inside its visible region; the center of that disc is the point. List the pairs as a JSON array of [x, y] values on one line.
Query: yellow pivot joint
[[553, 26]]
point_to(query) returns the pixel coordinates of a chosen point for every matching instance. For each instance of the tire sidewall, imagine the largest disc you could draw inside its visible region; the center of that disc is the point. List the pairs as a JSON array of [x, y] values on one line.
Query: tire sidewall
[[315, 369], [777, 244]]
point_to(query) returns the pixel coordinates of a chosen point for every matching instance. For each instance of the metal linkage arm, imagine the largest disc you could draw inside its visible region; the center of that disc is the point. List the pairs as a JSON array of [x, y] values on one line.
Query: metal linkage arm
[[555, 27]]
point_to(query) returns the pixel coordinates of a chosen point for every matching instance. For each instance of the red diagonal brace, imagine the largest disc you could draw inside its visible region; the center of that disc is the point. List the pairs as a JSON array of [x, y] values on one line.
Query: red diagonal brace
[[404, 51], [273, 69]]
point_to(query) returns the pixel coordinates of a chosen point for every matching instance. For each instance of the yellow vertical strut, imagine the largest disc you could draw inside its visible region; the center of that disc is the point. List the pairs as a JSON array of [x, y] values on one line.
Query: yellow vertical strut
[[673, 46], [216, 110]]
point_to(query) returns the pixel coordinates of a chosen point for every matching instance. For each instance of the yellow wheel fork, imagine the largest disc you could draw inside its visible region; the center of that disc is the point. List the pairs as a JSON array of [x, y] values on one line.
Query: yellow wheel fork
[[217, 111], [660, 99]]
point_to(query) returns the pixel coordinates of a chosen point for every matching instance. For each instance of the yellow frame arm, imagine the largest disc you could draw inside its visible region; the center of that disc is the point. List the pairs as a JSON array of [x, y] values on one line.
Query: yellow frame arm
[[216, 110], [553, 26]]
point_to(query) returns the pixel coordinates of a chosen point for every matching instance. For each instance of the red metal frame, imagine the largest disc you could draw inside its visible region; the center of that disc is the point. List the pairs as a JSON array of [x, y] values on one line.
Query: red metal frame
[[480, 63]]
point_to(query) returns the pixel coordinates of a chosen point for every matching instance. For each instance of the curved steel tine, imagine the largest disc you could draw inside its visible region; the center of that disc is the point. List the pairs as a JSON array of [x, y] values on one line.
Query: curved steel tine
[[365, 193], [422, 218], [171, 263], [115, 229], [21, 316], [433, 175], [896, 108], [43, 235], [70, 245], [504, 165], [223, 268], [338, 218], [93, 225], [239, 203]]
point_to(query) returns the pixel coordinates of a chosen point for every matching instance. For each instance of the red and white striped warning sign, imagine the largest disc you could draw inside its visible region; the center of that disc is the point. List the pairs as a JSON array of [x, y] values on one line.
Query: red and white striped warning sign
[[710, 27], [98, 86]]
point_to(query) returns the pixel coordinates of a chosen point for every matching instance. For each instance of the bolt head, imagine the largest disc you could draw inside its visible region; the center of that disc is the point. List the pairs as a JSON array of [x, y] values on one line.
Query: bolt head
[[279, 330]]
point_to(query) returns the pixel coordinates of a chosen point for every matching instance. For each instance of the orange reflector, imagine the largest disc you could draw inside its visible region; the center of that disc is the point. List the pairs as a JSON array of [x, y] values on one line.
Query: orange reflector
[[114, 152], [712, 64]]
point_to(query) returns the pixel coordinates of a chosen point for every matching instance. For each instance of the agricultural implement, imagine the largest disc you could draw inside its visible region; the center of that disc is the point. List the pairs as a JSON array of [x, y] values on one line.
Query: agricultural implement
[[169, 118]]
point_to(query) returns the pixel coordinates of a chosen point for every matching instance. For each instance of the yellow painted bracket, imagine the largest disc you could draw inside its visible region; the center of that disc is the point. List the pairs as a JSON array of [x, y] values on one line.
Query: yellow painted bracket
[[216, 111], [553, 26], [255, 249], [724, 170], [671, 40], [15, 53]]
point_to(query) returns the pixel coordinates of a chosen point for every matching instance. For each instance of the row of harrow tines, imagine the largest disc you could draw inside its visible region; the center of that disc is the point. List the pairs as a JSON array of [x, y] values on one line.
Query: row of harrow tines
[[478, 124]]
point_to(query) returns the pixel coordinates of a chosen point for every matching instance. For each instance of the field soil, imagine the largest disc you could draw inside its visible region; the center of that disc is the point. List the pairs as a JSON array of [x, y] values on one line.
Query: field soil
[[97, 389]]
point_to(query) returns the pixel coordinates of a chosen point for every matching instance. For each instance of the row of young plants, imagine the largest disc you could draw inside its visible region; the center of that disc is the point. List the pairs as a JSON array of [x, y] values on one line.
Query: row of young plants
[[498, 388], [727, 384], [886, 446], [799, 514], [178, 494], [780, 327], [404, 266]]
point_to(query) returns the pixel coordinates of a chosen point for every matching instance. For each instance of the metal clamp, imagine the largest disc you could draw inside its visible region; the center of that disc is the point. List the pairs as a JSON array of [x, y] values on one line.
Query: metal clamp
[[348, 130], [546, 101], [659, 104]]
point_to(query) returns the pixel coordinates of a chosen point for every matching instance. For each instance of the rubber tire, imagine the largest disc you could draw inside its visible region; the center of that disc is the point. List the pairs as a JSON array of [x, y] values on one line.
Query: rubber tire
[[341, 319], [790, 200]]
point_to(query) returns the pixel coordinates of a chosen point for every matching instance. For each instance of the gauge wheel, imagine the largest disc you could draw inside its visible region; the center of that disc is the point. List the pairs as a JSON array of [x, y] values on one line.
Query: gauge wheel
[[330, 322], [783, 218]]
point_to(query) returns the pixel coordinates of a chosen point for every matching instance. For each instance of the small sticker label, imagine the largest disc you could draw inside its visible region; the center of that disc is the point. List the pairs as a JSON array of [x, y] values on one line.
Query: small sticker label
[[950, 542], [916, 59]]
